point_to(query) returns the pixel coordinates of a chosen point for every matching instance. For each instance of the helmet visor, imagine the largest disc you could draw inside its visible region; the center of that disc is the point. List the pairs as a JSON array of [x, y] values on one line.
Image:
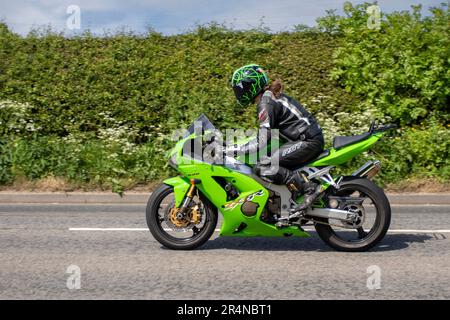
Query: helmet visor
[[243, 92]]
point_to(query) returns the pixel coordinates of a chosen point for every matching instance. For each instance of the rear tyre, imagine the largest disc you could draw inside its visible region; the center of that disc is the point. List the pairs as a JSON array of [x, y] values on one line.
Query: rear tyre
[[188, 236], [366, 238]]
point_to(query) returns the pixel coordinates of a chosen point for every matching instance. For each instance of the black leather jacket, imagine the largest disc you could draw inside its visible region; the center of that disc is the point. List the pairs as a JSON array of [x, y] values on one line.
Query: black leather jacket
[[287, 115]]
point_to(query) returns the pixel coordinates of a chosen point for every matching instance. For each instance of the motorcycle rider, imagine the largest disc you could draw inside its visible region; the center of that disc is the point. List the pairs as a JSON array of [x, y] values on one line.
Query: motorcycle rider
[[277, 110]]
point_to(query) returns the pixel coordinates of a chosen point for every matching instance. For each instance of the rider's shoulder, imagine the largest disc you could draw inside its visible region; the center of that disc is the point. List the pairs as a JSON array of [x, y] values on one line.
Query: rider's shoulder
[[268, 95], [268, 98]]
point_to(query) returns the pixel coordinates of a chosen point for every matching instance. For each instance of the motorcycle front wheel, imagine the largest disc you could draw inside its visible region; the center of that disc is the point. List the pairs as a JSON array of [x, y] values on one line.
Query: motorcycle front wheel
[[374, 213], [187, 233]]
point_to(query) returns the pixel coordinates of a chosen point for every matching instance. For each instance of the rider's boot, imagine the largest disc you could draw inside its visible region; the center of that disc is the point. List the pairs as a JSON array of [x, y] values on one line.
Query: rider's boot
[[296, 184], [312, 192], [294, 181], [299, 185]]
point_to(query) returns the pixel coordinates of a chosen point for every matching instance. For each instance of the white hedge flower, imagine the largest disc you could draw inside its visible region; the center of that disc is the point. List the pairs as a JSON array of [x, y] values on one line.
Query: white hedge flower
[[16, 116]]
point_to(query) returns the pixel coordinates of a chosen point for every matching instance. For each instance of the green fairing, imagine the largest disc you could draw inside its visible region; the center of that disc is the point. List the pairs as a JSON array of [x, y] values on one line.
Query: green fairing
[[247, 186], [233, 216], [180, 187], [231, 210], [344, 154]]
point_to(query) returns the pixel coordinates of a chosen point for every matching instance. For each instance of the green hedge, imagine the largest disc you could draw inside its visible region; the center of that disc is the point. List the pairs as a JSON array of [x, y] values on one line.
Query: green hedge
[[402, 68], [99, 110], [70, 83]]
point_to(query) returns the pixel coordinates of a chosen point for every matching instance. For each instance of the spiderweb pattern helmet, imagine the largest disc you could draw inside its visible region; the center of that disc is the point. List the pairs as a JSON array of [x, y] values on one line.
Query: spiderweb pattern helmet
[[247, 82]]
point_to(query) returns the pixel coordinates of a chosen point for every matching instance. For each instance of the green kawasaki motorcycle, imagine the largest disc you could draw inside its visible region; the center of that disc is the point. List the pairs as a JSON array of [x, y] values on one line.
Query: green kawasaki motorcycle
[[352, 213]]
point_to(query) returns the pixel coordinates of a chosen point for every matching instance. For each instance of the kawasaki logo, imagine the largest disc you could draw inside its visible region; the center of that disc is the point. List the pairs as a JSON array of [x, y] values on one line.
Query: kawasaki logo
[[234, 204]]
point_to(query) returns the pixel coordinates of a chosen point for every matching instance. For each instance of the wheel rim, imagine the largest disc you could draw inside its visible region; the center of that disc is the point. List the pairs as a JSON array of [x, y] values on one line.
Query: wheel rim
[[368, 221], [183, 230]]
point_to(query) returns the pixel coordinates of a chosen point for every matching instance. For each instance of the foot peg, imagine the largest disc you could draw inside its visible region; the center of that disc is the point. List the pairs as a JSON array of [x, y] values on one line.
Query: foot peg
[[282, 223]]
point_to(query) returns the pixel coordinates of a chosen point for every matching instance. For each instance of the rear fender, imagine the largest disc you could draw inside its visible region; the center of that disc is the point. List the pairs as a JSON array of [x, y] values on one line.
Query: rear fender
[[180, 187], [339, 156]]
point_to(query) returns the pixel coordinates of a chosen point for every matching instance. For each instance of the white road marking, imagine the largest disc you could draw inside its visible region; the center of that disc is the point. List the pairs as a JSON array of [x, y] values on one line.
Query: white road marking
[[419, 231], [217, 230], [140, 204], [108, 229], [410, 230], [419, 205]]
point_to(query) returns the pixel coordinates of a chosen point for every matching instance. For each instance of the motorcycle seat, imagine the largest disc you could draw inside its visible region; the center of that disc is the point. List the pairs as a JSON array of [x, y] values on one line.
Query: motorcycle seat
[[343, 141]]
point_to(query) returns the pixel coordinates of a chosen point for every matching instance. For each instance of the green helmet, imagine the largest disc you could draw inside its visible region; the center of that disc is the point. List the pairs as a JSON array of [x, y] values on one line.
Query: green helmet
[[247, 82]]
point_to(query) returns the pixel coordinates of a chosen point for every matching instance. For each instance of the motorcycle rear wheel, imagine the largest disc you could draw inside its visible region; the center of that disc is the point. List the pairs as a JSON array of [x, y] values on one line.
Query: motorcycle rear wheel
[[366, 238]]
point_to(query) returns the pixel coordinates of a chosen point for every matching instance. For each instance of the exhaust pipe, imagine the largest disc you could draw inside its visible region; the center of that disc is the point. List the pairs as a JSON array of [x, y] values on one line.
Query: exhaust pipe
[[368, 170]]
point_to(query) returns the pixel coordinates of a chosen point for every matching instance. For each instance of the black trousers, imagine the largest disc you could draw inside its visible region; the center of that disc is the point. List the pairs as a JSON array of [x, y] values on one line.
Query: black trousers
[[278, 168]]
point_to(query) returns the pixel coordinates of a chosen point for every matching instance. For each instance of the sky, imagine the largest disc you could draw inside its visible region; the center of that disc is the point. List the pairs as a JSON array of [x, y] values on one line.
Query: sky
[[174, 16]]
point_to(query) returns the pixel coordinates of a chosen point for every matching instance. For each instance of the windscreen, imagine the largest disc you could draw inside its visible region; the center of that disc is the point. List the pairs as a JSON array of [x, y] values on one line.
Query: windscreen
[[201, 123], [193, 148]]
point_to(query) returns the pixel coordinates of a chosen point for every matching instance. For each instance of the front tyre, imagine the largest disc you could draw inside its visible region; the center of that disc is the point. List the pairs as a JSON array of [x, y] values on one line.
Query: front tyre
[[371, 227], [186, 234]]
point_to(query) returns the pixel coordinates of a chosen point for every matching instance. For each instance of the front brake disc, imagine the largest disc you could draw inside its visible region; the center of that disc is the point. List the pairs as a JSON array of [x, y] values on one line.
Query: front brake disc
[[192, 217]]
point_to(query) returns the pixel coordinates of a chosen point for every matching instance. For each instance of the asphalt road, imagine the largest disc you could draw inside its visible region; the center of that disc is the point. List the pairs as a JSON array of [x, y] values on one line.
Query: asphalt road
[[37, 245]]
